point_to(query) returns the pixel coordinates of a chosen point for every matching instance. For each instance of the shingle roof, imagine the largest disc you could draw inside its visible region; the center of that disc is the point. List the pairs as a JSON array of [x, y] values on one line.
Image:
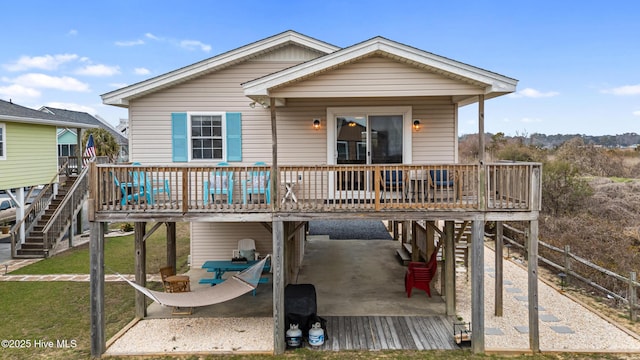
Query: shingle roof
[[85, 118], [14, 112]]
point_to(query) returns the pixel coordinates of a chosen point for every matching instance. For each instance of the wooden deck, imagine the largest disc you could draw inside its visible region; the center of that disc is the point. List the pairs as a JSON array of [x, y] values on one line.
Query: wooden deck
[[389, 333], [186, 192]]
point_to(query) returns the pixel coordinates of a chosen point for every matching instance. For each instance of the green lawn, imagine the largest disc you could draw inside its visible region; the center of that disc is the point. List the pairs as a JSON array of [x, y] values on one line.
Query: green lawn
[[36, 313]]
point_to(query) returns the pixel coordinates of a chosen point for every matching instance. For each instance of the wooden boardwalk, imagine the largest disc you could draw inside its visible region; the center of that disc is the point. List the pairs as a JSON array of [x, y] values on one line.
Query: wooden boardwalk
[[389, 333]]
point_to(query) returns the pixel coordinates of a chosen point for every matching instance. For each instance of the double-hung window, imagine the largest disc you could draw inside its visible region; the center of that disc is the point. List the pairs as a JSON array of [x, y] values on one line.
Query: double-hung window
[[210, 136], [3, 141], [207, 137]]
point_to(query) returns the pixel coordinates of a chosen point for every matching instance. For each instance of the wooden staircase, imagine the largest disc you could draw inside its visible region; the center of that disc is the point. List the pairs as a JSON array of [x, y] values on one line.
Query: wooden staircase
[[34, 245], [462, 241]]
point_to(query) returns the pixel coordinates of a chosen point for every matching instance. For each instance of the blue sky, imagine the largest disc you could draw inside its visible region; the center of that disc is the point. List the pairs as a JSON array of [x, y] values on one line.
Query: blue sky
[[577, 62]]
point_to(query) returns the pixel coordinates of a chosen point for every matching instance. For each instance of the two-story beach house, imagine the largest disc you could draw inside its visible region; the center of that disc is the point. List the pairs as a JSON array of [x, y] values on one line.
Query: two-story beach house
[[257, 141]]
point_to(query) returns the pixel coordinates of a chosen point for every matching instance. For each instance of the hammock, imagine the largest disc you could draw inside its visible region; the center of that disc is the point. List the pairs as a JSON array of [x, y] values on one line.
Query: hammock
[[235, 286]]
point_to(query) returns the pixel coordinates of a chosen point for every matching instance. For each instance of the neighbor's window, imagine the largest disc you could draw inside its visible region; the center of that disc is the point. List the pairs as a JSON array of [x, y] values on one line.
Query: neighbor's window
[[207, 137], [3, 142], [66, 150]]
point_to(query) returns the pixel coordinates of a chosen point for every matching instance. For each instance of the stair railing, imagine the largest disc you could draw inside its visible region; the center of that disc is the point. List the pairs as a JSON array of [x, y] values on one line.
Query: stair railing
[[60, 220], [35, 209]]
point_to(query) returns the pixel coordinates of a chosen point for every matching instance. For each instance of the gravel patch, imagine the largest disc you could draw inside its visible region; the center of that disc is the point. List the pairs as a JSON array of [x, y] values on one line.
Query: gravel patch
[[350, 229], [182, 335], [565, 325]]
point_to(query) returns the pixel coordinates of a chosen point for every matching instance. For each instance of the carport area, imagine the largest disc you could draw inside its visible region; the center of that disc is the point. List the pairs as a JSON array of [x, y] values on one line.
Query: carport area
[[360, 292]]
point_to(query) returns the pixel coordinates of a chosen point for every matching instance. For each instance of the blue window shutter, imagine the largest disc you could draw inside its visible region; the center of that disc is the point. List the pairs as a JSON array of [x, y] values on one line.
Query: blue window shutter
[[234, 136], [179, 141]]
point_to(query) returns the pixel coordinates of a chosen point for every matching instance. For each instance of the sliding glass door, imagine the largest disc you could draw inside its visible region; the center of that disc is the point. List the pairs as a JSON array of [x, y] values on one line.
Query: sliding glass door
[[366, 139]]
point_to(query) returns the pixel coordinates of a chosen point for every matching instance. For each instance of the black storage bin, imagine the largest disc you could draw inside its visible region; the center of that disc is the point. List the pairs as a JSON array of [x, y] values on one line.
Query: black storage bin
[[300, 306]]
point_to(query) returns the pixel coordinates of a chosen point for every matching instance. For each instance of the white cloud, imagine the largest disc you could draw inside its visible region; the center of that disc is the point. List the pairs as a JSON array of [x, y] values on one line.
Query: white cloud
[[99, 70], [151, 36], [530, 120], [636, 113], [118, 85], [72, 107], [623, 90], [130, 43], [46, 62], [64, 83], [533, 93], [141, 71], [194, 45], [18, 92], [72, 32]]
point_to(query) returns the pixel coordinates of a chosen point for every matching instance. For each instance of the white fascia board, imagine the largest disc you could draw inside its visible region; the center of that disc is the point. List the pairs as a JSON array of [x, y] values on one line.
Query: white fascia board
[[55, 123], [120, 97], [497, 82]]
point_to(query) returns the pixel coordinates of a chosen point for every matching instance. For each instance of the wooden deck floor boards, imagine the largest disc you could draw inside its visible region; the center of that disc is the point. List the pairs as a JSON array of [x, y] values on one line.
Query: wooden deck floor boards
[[389, 333]]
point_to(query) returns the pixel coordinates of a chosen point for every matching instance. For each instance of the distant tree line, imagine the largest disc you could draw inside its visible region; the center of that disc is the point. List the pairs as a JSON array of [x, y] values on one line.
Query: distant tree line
[[609, 141]]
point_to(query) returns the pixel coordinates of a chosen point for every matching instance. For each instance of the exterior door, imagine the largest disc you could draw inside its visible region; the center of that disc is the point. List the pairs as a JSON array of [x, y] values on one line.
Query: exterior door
[[366, 139]]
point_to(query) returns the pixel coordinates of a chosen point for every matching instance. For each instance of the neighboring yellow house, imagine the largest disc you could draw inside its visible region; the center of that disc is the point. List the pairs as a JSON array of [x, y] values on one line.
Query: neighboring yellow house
[[28, 150]]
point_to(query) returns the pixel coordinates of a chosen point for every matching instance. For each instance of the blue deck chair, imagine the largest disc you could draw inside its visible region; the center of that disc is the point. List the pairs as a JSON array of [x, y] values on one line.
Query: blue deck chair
[[129, 191], [147, 186], [220, 183], [439, 180], [257, 183]]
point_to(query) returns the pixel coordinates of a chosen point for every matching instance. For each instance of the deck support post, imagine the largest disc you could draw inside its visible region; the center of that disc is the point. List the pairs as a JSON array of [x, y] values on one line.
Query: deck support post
[[171, 245], [499, 270], [275, 175], [481, 151], [96, 277], [278, 287], [534, 330], [140, 268], [477, 287], [415, 249], [450, 268], [430, 236]]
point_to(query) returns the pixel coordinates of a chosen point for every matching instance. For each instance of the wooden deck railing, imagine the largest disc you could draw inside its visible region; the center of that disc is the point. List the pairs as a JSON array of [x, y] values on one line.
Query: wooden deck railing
[[321, 188]]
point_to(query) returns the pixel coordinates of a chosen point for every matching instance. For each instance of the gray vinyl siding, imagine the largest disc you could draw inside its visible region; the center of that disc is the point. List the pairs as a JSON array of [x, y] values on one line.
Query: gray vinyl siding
[[216, 241], [377, 76], [221, 91]]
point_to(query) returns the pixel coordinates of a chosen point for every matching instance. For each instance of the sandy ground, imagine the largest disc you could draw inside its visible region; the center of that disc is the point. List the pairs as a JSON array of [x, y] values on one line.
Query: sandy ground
[[565, 325]]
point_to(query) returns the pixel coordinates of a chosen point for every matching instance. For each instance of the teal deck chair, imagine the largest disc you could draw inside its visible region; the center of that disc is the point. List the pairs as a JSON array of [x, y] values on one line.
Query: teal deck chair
[[220, 183], [257, 183]]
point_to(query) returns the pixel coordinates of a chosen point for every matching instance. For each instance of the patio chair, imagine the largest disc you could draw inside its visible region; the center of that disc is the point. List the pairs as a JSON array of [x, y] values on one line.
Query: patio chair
[[419, 275], [129, 191], [257, 183], [442, 181], [393, 181], [246, 249], [220, 183]]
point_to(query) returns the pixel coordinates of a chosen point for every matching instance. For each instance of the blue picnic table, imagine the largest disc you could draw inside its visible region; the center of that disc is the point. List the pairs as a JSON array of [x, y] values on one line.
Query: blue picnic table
[[219, 267]]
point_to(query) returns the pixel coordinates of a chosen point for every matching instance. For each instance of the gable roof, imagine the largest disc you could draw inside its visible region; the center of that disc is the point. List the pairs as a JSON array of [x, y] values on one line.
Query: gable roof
[[80, 117], [493, 83], [122, 96], [17, 113]]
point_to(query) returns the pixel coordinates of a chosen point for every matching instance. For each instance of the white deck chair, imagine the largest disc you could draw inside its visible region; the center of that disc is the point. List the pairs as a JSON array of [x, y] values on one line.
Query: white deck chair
[[246, 249]]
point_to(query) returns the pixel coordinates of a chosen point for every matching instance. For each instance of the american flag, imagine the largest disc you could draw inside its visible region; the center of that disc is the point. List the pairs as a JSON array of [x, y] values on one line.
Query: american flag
[[89, 152]]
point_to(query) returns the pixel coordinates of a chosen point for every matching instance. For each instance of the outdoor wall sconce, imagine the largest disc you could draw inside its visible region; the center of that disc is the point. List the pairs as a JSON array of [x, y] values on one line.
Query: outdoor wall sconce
[[316, 124], [416, 125], [264, 105]]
